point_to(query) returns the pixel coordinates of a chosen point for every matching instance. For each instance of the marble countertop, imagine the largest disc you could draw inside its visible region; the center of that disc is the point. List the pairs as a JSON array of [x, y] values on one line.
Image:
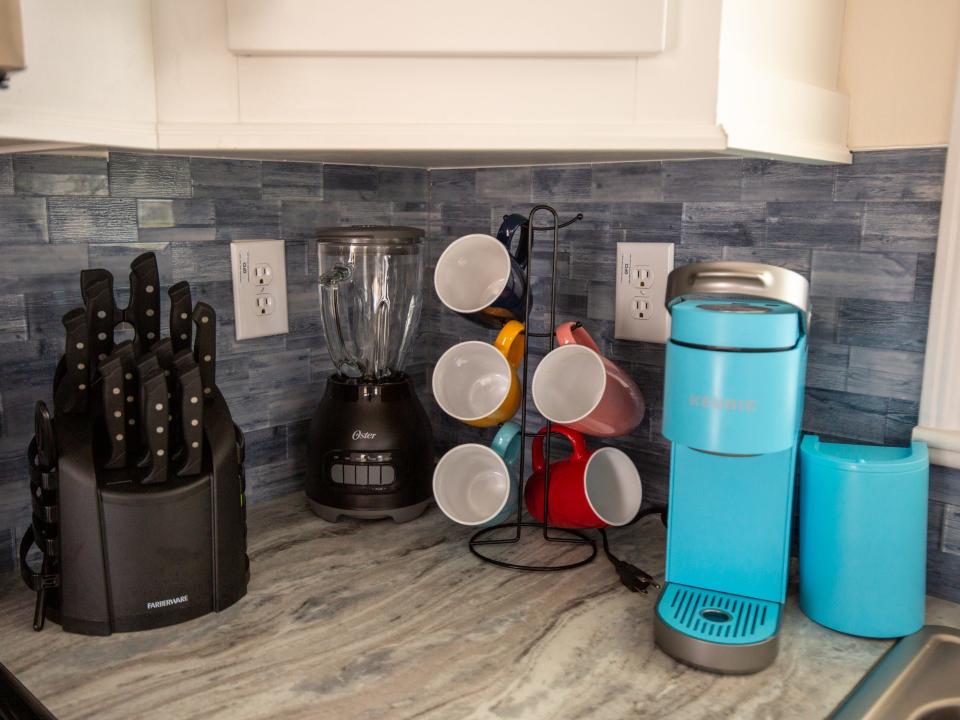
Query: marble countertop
[[377, 620]]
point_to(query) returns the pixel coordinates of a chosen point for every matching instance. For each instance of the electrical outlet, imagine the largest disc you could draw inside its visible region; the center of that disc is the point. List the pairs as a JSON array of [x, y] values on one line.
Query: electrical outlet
[[259, 288], [641, 289]]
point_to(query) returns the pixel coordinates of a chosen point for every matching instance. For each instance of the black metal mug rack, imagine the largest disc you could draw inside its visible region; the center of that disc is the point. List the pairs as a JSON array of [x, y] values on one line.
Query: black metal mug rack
[[551, 534]]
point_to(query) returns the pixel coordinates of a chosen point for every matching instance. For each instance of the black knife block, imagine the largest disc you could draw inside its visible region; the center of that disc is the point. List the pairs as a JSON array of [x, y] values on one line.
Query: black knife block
[[122, 555]]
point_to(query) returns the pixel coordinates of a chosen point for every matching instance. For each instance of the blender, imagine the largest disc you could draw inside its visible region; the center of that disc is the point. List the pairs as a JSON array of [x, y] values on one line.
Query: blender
[[371, 452]]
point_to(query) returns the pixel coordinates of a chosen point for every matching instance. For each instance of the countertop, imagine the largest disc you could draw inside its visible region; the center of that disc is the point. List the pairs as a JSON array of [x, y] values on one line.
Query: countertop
[[377, 620]]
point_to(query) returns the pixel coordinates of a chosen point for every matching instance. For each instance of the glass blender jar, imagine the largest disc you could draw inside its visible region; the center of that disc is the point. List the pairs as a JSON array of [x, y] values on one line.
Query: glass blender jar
[[370, 449]]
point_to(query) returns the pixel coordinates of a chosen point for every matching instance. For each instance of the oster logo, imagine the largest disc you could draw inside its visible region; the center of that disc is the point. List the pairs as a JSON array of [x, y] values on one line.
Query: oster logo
[[361, 435]]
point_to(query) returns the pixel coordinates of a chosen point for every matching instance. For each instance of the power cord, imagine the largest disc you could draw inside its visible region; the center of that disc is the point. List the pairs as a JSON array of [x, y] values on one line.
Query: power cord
[[633, 578]]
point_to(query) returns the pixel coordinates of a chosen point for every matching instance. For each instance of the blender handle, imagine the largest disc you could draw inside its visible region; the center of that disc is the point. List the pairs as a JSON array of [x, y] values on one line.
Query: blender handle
[[379, 339]]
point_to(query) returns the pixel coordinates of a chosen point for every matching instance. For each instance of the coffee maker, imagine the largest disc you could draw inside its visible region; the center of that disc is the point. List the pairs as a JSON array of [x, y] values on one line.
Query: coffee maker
[[371, 452], [733, 405]]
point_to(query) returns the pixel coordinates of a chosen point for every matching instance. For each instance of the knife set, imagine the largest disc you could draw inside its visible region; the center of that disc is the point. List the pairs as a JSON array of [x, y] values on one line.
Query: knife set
[[137, 480]]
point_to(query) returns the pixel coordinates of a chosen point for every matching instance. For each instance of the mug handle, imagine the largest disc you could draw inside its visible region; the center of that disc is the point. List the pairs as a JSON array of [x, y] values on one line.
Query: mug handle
[[510, 341], [508, 229], [579, 451], [573, 333]]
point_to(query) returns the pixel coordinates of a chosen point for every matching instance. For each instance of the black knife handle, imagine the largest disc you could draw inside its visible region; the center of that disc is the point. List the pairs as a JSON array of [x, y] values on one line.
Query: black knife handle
[[126, 353], [143, 312], [181, 324], [154, 407], [191, 421], [46, 438], [147, 366], [205, 346], [114, 416], [100, 319], [76, 381], [163, 349]]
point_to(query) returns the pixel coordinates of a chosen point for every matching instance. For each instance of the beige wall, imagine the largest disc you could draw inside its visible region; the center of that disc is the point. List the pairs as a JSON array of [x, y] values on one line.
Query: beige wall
[[897, 64]]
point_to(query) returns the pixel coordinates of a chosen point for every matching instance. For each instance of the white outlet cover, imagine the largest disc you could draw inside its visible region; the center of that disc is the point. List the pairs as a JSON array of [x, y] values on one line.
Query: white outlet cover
[[640, 308], [259, 288]]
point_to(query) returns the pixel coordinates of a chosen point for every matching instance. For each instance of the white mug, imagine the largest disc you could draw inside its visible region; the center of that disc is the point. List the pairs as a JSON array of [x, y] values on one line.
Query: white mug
[[472, 486]]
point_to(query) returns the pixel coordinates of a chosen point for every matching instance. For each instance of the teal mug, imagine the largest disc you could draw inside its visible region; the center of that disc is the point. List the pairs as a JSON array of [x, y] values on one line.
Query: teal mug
[[476, 484]]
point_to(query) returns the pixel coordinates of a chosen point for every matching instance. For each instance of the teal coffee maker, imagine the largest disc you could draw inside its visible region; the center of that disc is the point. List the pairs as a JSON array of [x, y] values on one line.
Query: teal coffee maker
[[732, 409]]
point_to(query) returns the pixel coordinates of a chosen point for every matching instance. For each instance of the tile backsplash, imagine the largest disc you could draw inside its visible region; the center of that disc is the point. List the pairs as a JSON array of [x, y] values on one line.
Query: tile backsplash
[[864, 234]]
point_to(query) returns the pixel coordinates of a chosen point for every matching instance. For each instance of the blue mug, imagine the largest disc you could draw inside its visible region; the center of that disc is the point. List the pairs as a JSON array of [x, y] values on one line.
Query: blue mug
[[479, 278]]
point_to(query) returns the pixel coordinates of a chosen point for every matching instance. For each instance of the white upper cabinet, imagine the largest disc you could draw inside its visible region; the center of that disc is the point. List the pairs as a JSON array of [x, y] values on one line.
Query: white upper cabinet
[[452, 82]]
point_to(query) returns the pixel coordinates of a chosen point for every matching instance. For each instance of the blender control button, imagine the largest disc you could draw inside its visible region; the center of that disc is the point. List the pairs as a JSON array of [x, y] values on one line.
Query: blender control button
[[361, 474], [386, 475], [349, 476], [336, 473], [373, 474]]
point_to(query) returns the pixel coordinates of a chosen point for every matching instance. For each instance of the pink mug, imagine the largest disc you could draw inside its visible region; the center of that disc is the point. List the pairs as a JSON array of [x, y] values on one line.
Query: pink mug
[[574, 385]]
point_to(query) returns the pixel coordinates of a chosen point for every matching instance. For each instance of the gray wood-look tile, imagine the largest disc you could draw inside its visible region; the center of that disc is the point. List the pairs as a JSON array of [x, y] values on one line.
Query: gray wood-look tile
[[402, 184], [823, 323], [561, 182], [247, 219], [60, 175], [512, 184], [945, 484], [23, 220], [13, 319], [913, 161], [628, 182], [702, 180], [6, 175], [116, 257], [219, 178], [901, 226], [889, 187], [950, 539], [885, 373], [294, 180], [883, 324], [924, 283], [149, 176], [300, 219], [827, 225], [796, 259], [827, 366], [85, 219], [879, 276], [350, 182], [175, 213], [448, 186], [858, 417], [722, 224], [901, 419], [772, 180]]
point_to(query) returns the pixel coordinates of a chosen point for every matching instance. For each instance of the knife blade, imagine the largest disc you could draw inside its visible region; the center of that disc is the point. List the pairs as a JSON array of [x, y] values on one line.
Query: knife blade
[[101, 308], [190, 406], [143, 312], [153, 417], [72, 392], [114, 417], [205, 346], [181, 325]]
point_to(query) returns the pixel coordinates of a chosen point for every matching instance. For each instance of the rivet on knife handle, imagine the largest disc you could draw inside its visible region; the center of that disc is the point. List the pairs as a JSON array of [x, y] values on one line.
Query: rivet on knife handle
[[153, 416], [191, 422], [73, 388], [205, 346], [97, 291], [147, 367], [181, 324], [114, 415]]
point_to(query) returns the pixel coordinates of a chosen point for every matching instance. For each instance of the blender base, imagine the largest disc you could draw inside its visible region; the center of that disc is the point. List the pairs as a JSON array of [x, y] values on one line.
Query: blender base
[[398, 515]]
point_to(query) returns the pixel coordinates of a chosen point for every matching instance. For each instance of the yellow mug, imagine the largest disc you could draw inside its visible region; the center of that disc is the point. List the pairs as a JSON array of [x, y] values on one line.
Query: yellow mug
[[476, 382]]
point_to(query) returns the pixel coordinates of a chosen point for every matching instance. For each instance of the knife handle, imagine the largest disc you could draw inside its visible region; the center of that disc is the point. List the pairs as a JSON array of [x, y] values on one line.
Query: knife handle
[[76, 381], [181, 324], [114, 417], [147, 366], [205, 346], [100, 308], [191, 421], [163, 349], [143, 311], [154, 408]]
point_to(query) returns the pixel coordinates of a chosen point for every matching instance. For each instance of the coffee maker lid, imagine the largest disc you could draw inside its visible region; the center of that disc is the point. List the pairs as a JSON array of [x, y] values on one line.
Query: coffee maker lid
[[371, 235]]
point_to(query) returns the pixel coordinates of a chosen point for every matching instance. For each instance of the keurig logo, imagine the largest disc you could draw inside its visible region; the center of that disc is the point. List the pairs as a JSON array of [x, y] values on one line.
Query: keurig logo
[[361, 435], [179, 600], [718, 403]]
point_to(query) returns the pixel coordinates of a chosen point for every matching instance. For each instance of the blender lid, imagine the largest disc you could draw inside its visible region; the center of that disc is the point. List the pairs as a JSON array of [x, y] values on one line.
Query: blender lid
[[371, 235]]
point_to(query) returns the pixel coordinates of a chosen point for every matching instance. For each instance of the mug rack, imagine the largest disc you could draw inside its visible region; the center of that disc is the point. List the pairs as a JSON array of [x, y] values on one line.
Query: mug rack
[[480, 541]]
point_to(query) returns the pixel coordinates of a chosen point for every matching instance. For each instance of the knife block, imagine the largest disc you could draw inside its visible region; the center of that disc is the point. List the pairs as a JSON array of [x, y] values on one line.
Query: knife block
[[134, 543], [128, 556]]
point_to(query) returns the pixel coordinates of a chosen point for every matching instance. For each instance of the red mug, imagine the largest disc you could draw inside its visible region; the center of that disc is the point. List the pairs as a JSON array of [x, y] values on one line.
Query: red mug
[[589, 489]]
